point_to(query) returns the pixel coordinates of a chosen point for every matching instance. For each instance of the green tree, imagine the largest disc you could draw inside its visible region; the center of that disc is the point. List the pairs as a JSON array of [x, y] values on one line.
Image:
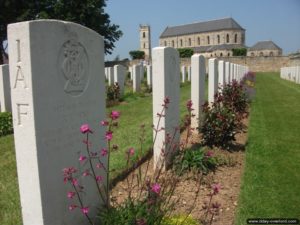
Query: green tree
[[239, 51], [137, 54], [89, 13], [185, 52]]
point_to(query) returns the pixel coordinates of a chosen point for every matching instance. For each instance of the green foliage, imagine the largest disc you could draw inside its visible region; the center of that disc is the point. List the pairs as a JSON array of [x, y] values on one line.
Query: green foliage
[[219, 126], [6, 124], [133, 213], [137, 54], [239, 51], [179, 219], [194, 160], [234, 98], [89, 13], [113, 92], [185, 52]]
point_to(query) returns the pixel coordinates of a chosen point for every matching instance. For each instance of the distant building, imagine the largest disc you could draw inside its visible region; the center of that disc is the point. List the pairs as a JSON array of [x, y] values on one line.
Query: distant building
[[264, 48], [212, 38], [145, 41]]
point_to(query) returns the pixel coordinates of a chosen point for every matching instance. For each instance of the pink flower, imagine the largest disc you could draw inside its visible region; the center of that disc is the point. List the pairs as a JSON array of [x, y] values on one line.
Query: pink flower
[[209, 154], [86, 173], [189, 105], [72, 207], [85, 128], [75, 182], [166, 100], [108, 135], [216, 188], [131, 151], [85, 210], [156, 188], [99, 165], [104, 152], [115, 115], [104, 123], [99, 178], [71, 194], [82, 158]]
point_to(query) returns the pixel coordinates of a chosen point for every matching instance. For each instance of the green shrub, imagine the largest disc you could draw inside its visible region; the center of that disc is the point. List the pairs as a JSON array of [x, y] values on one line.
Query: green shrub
[[6, 124], [137, 54], [219, 126], [185, 52], [235, 99], [239, 51], [194, 160], [113, 92]]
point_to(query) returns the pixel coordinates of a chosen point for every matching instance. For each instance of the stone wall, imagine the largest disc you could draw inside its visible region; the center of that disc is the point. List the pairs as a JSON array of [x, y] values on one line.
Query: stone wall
[[256, 64]]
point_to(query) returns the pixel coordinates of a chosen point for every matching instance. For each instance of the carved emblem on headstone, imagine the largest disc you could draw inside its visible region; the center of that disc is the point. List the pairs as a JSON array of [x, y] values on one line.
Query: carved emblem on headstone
[[73, 62]]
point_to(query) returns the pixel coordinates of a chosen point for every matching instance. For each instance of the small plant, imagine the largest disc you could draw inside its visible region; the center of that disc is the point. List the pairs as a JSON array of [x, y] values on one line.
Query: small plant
[[211, 208], [113, 92], [6, 124], [178, 220], [185, 52], [194, 160], [137, 54]]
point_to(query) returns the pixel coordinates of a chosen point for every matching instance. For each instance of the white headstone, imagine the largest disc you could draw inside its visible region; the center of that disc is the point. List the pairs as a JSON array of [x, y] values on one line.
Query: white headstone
[[183, 74], [231, 72], [119, 77], [5, 100], [197, 88], [142, 71], [149, 75], [227, 72], [189, 73], [166, 83], [106, 72], [110, 73], [136, 78], [56, 87], [221, 69], [212, 79]]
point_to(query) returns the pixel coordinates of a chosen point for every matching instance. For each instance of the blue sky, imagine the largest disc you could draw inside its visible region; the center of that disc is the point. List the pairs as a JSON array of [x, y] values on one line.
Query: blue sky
[[276, 20]]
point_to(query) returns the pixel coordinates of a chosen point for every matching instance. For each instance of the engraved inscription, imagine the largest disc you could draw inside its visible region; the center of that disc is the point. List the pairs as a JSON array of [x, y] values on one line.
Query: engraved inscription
[[20, 77], [22, 111], [74, 66]]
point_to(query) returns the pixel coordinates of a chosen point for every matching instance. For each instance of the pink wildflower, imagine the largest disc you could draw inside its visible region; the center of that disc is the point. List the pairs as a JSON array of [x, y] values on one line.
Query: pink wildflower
[[108, 135], [131, 151], [216, 188], [115, 115], [75, 182], [82, 158], [85, 128], [104, 152], [189, 105], [99, 165], [99, 178], [104, 123], [72, 207], [85, 210], [156, 188], [209, 154], [86, 173], [71, 194]]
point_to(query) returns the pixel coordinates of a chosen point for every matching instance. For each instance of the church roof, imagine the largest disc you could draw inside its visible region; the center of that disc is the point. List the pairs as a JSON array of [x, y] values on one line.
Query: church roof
[[201, 27], [264, 45]]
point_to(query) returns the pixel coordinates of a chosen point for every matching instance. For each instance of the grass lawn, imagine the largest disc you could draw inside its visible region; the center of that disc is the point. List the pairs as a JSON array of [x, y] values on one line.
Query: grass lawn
[[271, 180], [134, 112]]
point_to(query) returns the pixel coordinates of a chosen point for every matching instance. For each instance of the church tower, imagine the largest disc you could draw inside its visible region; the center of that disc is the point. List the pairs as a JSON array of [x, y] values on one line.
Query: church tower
[[145, 41]]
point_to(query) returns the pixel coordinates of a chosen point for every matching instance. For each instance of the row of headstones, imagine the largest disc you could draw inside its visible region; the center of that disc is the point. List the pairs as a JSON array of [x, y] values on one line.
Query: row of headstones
[[291, 73], [118, 74], [53, 94], [166, 85]]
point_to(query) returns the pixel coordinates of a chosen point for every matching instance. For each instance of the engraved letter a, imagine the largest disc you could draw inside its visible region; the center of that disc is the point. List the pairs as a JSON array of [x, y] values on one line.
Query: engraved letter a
[[20, 77]]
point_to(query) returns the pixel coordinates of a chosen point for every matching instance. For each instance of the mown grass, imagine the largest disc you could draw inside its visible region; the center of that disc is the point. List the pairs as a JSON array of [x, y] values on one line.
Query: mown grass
[[136, 109], [271, 181]]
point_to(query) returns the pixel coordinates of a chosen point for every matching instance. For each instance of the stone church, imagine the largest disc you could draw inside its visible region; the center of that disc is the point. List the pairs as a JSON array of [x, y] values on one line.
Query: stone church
[[213, 38]]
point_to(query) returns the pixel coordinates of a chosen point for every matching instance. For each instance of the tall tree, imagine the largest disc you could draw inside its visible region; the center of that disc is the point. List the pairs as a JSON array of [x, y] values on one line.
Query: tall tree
[[89, 13]]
